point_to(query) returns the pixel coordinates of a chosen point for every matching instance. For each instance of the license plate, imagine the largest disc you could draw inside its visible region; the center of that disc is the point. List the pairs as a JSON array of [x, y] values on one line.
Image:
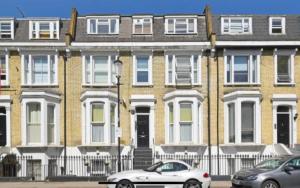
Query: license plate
[[237, 182]]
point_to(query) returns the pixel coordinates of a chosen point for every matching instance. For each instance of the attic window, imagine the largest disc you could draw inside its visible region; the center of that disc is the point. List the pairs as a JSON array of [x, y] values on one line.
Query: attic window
[[142, 25], [236, 25], [277, 25], [103, 25], [44, 29], [7, 29], [181, 25]]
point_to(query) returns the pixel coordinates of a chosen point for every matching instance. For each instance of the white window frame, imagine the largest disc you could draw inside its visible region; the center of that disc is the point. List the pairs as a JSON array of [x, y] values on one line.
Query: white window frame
[[6, 101], [284, 52], [229, 26], [142, 19], [52, 29], [135, 82], [109, 19], [12, 28], [30, 55], [187, 18], [6, 56], [283, 25], [173, 68], [250, 54], [44, 99], [176, 98], [107, 99], [237, 98], [111, 78]]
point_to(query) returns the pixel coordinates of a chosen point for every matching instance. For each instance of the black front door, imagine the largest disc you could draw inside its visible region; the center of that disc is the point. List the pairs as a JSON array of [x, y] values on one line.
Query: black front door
[[142, 130], [283, 129], [2, 126]]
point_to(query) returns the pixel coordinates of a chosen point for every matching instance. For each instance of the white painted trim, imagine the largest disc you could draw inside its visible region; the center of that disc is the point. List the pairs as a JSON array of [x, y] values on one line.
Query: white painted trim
[[138, 44], [134, 73], [12, 26], [108, 18], [37, 27], [7, 65], [142, 18], [146, 101], [236, 17], [237, 98], [288, 52], [257, 43], [183, 93], [174, 18], [5, 101]]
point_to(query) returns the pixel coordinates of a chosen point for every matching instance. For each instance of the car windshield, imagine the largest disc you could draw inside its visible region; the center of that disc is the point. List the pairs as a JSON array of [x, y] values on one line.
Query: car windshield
[[271, 163], [153, 167]]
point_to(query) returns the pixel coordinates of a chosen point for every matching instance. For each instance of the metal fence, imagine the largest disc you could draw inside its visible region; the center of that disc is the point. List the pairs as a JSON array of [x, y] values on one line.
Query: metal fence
[[220, 165], [14, 166], [84, 166]]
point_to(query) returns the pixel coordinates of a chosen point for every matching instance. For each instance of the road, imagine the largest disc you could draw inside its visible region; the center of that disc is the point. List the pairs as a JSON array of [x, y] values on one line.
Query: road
[[219, 184]]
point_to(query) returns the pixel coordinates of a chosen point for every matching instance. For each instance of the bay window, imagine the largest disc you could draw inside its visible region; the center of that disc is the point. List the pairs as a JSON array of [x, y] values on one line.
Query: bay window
[[183, 117], [99, 117], [183, 69], [40, 118], [242, 117], [98, 70], [242, 68], [284, 66], [39, 69]]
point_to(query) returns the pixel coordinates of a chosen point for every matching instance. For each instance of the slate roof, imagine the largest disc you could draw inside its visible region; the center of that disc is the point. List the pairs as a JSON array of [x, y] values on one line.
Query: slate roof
[[260, 28], [125, 32], [22, 32]]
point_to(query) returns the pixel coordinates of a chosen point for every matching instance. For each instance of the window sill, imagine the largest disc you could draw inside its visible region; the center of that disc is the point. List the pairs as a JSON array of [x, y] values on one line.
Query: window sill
[[242, 144], [98, 85], [41, 39], [142, 35], [98, 145], [5, 85], [183, 145], [40, 146], [40, 85], [180, 34], [183, 85], [103, 34], [242, 84], [142, 85], [284, 84]]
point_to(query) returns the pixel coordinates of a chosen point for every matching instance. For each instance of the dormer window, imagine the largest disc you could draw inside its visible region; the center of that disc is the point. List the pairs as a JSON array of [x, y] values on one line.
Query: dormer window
[[6, 29], [142, 25], [103, 25], [181, 25], [44, 29], [236, 25], [277, 25]]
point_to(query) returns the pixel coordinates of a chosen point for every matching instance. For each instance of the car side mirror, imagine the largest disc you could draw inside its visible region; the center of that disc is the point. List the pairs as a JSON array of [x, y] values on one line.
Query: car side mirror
[[288, 168], [158, 170]]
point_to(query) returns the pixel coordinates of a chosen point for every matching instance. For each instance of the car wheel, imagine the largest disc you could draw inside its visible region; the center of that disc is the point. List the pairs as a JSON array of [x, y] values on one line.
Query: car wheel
[[270, 184], [192, 184], [124, 184]]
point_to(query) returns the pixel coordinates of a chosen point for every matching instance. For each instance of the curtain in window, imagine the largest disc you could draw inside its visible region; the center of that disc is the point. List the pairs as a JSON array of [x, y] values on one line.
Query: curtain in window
[[50, 123], [185, 122], [101, 69], [171, 123], [231, 122], [112, 123], [40, 69], [97, 123], [247, 122], [34, 123]]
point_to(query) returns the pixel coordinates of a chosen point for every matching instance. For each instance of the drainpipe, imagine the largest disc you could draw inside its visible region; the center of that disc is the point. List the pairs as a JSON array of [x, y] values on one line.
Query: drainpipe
[[208, 112]]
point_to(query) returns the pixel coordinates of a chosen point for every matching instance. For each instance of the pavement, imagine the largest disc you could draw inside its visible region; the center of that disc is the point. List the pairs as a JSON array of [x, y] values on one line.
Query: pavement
[[215, 184]]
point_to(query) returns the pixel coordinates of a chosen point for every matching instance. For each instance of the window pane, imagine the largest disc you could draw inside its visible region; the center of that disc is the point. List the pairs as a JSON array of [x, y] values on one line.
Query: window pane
[[138, 29], [191, 25], [147, 28], [103, 26], [196, 67], [283, 68], [170, 25], [98, 132], [185, 132], [52, 69], [228, 69], [97, 113], [247, 122], [92, 26], [2, 68], [51, 125], [186, 112], [142, 62], [26, 68], [181, 26], [171, 114], [142, 68], [236, 25], [112, 123], [231, 122], [254, 69], [241, 69], [87, 69], [171, 123], [170, 68], [113, 24], [142, 76], [40, 69], [34, 123], [100, 69]]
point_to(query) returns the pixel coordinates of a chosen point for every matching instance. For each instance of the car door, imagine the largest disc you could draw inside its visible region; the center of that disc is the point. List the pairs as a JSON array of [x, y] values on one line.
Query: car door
[[169, 172], [291, 178]]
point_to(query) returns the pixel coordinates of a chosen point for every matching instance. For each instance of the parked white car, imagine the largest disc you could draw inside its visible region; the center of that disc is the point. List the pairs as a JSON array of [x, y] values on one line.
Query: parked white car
[[164, 171]]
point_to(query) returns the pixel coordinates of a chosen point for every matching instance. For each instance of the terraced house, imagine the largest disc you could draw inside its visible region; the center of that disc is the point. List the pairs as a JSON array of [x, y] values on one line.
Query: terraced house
[[191, 85]]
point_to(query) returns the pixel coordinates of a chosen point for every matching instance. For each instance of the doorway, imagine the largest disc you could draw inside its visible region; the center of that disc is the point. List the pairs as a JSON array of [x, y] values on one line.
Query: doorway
[[283, 125], [142, 126]]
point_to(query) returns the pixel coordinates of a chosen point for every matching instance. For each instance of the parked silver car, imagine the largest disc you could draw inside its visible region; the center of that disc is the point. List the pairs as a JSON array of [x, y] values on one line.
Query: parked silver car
[[279, 172]]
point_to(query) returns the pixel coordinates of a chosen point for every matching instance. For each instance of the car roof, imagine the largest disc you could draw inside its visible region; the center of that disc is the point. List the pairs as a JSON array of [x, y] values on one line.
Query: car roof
[[177, 161]]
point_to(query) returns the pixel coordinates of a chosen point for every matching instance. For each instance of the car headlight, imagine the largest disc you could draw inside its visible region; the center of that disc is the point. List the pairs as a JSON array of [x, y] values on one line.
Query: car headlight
[[111, 179], [251, 178]]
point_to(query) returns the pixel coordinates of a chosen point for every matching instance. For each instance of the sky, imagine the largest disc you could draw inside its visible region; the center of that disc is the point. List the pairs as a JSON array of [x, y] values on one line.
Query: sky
[[62, 8]]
